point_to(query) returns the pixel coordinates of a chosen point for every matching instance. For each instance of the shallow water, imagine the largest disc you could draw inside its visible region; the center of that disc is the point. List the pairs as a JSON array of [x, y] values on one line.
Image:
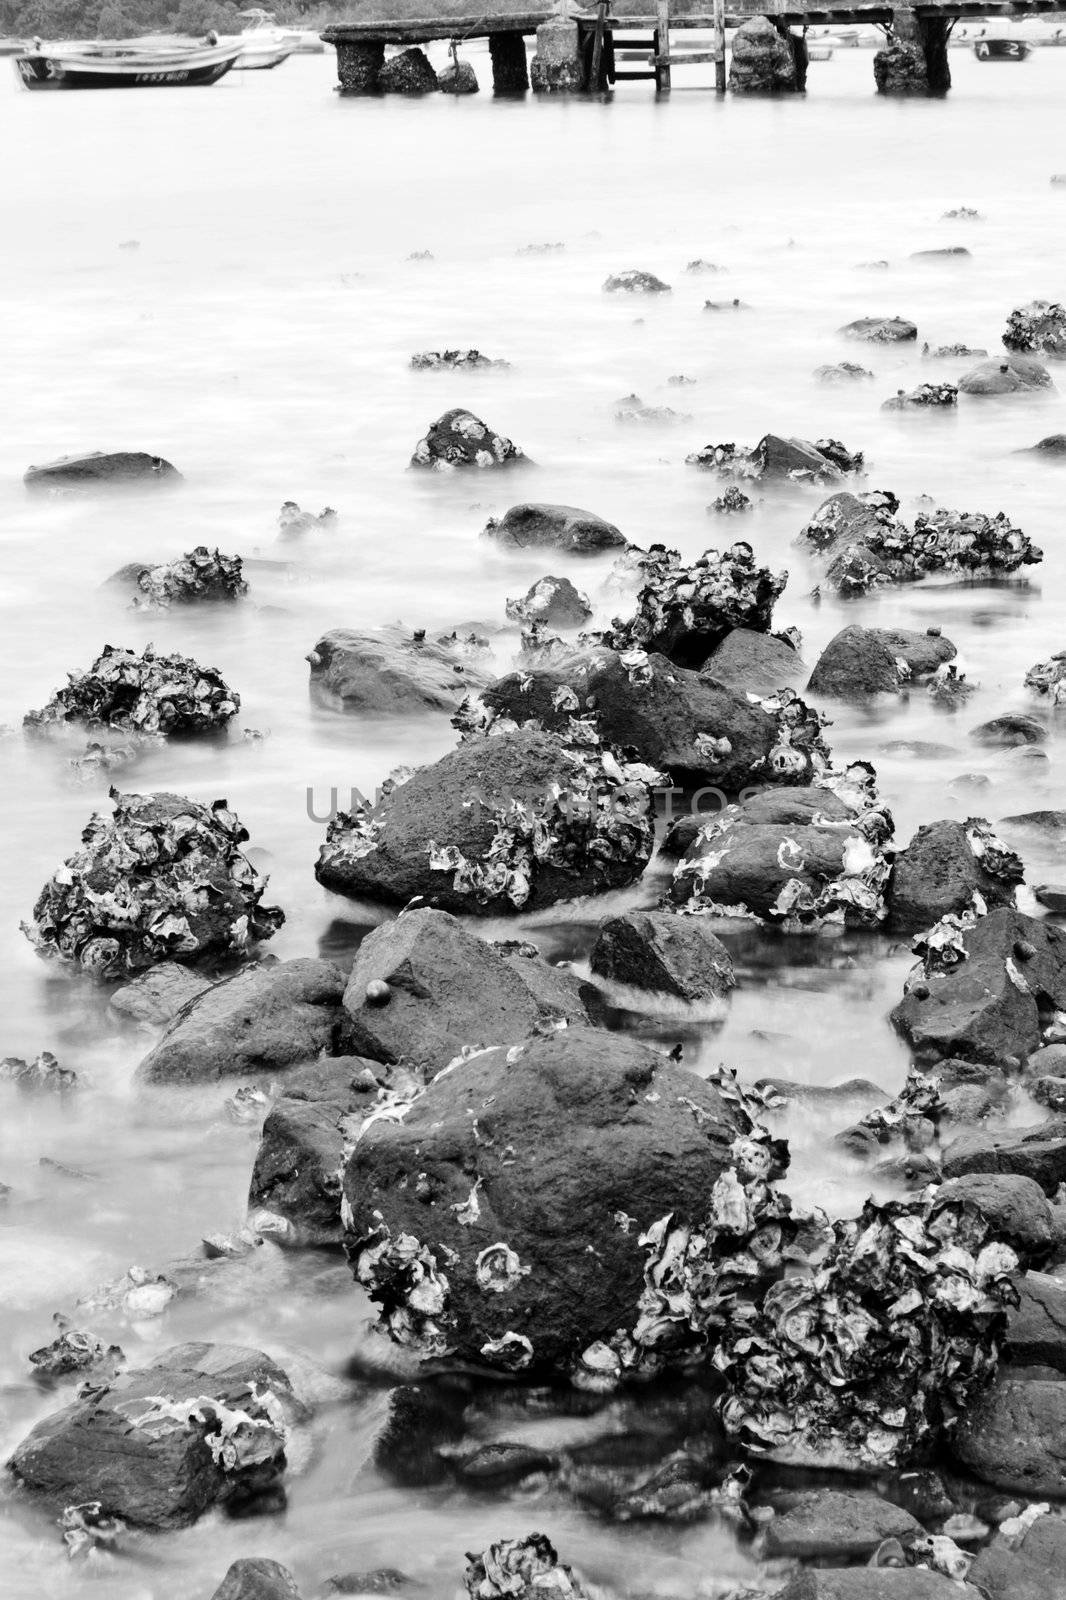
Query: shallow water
[[258, 336]]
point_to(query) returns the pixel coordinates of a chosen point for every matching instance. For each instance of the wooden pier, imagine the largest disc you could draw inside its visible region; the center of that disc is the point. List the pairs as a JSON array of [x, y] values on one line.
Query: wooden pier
[[576, 48]]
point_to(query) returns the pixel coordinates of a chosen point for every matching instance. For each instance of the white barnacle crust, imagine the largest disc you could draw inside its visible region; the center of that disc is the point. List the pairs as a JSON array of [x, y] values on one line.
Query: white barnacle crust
[[498, 1269], [512, 1350]]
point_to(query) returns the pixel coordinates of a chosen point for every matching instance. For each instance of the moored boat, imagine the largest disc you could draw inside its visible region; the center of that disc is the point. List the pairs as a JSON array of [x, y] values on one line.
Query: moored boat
[[263, 44], [75, 64], [1000, 42]]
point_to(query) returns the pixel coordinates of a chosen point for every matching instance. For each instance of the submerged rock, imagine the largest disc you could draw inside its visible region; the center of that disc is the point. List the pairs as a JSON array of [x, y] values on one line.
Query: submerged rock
[[391, 672], [198, 575], [1009, 732], [102, 469], [262, 1020], [159, 994], [684, 612], [776, 458], [1016, 374], [881, 330], [506, 823], [145, 694], [842, 372], [635, 282], [424, 988], [257, 1578], [162, 880], [408, 72], [858, 661], [536, 526], [1040, 326], [925, 396], [521, 1569], [458, 439], [1049, 678], [551, 601], [458, 78], [292, 522], [1053, 447], [945, 866], [204, 1425], [522, 1247], [665, 953], [433, 360]]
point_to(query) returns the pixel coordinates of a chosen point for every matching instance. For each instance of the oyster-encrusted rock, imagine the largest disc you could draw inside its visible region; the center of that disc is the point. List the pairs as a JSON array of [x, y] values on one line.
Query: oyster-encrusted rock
[[684, 611], [795, 862], [198, 575], [1049, 678], [942, 868], [164, 879], [43, 1075], [203, 1425], [1039, 327], [521, 1569], [881, 330], [505, 823], [776, 459], [146, 695], [459, 440], [551, 601], [635, 281], [700, 730], [864, 543], [500, 1218], [926, 396], [434, 360]]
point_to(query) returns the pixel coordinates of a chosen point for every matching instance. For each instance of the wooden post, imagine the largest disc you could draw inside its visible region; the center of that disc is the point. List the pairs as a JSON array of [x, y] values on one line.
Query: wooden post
[[597, 47], [719, 46], [510, 74], [662, 47]]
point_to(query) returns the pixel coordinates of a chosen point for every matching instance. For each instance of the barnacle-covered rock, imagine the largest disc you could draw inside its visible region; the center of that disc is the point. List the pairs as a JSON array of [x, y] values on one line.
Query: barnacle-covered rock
[[164, 879], [684, 611], [537, 1168], [796, 863], [697, 728], [1016, 375], [762, 60], [257, 1578], [199, 574], [536, 525], [103, 469], [865, 544], [777, 459], [458, 439], [391, 671], [881, 330], [858, 661], [551, 601], [521, 1569], [730, 503], [842, 372], [43, 1075], [292, 522], [635, 281], [505, 823], [943, 867], [924, 397], [407, 72], [983, 986], [203, 1425], [433, 360], [145, 694], [424, 988], [1049, 678], [1040, 326], [72, 1352]]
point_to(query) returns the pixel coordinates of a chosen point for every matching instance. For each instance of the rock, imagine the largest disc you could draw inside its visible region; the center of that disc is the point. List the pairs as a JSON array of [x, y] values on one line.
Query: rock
[[1037, 1153], [855, 663], [163, 880], [1014, 1436], [1050, 1060], [900, 68], [449, 990], [944, 252], [792, 863], [1015, 1206], [1036, 1335], [985, 1005], [942, 868], [297, 1172], [881, 330], [1009, 731], [535, 526], [257, 1578], [542, 1166], [262, 1020], [1053, 445], [951, 352], [145, 695], [459, 78], [685, 611], [726, 305], [632, 409], [731, 502], [204, 1425], [1015, 374], [75, 1352], [390, 672], [450, 832], [700, 730], [453, 360], [554, 602], [842, 372], [1051, 895], [925, 397], [1005, 1574], [761, 61], [1045, 1544], [756, 663], [844, 1525], [102, 469], [1039, 326], [663, 952], [294, 523], [635, 282], [409, 72], [158, 995], [778, 459], [874, 1583], [458, 439], [198, 575], [522, 1568]]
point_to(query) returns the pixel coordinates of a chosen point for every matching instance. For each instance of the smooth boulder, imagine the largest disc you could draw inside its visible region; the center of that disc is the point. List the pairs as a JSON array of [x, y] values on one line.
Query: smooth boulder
[[839, 1523], [1014, 1437], [103, 469], [257, 1578], [756, 663], [1015, 375], [390, 672], [665, 953], [537, 526], [156, 996], [942, 868]]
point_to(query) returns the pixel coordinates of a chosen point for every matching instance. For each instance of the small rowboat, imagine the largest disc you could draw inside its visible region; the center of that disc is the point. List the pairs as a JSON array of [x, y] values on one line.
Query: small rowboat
[[1001, 49], [74, 65]]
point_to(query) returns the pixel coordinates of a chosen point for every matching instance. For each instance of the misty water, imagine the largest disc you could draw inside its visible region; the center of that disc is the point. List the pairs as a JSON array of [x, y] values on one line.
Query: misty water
[[225, 278]]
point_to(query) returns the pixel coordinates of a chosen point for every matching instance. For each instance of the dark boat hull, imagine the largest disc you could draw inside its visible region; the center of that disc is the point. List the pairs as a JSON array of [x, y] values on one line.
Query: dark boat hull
[[51, 72], [1001, 49]]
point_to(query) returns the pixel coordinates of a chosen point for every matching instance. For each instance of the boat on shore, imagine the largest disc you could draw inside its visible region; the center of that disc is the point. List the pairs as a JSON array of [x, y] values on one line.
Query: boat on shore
[[123, 64]]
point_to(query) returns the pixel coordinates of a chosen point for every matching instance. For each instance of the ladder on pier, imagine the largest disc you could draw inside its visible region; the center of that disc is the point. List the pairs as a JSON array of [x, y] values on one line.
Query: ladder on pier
[[661, 57]]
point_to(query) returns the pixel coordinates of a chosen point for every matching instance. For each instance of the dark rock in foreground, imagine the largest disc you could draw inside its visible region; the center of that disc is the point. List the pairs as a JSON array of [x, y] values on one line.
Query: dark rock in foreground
[[163, 880], [841, 1524], [458, 439], [145, 694], [1037, 1153], [1018, 1212], [424, 988], [536, 526], [1013, 1437], [540, 1168], [875, 1583], [944, 866], [663, 952], [452, 833], [204, 1425], [390, 672], [257, 1578], [858, 661], [881, 330], [102, 469], [262, 1020], [1037, 1332]]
